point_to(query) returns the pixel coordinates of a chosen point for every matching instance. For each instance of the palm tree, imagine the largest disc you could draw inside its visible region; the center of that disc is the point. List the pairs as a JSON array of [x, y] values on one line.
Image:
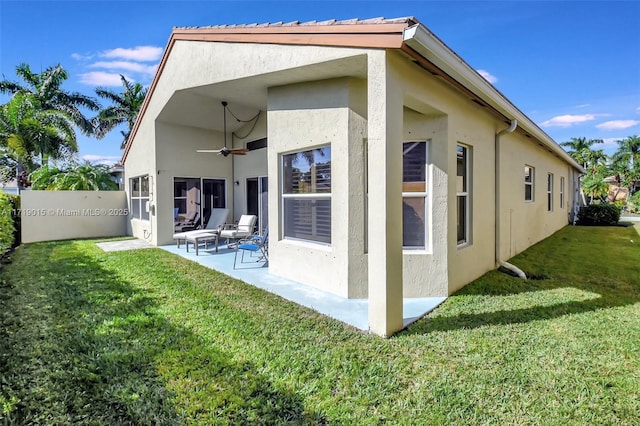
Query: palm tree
[[594, 185], [28, 131], [44, 178], [627, 160], [46, 87], [596, 160], [125, 109], [78, 177], [580, 149]]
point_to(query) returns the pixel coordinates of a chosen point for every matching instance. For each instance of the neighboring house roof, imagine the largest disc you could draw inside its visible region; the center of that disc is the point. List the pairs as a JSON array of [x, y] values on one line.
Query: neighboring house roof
[[406, 34], [10, 187]]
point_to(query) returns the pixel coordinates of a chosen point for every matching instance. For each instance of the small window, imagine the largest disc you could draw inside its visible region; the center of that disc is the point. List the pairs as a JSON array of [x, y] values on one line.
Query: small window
[[463, 186], [306, 195], [414, 194], [529, 176], [139, 197], [562, 192], [550, 192]]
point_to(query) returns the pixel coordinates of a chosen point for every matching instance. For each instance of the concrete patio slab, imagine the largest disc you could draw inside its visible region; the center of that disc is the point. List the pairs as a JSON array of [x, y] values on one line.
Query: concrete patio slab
[[121, 245], [354, 312]]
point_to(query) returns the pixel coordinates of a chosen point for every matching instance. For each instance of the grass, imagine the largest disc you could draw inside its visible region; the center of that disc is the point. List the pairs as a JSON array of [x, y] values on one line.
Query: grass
[[147, 338]]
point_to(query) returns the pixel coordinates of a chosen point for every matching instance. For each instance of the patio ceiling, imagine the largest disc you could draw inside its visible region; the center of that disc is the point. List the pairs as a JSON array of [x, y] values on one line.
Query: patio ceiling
[[201, 106]]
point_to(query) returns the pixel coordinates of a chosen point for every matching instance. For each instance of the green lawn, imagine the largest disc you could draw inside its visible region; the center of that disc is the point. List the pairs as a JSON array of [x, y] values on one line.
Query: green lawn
[[147, 338]]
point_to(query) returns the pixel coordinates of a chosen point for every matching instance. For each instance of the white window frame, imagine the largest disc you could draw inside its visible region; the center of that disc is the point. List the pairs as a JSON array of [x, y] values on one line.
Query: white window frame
[[305, 196], [466, 241], [141, 200], [532, 175], [421, 194], [562, 192], [549, 192]]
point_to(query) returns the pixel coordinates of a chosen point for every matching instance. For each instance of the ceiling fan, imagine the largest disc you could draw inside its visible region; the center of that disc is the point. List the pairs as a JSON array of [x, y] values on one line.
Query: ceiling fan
[[224, 150]]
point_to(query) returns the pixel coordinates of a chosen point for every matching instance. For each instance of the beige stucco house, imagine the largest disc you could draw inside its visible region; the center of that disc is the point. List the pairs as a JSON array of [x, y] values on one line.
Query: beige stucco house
[[383, 165]]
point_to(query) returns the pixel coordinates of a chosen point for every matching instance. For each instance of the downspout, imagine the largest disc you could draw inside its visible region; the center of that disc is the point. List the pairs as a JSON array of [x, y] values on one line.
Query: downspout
[[500, 262]]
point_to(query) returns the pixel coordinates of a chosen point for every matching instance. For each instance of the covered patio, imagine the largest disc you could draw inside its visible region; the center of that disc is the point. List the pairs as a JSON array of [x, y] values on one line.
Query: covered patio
[[354, 312]]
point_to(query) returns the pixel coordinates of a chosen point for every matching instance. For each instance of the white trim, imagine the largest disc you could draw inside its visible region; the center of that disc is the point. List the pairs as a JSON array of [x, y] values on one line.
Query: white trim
[[467, 195], [532, 184]]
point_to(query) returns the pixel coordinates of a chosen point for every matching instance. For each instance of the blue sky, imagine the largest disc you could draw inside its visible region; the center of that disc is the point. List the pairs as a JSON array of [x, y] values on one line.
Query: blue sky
[[573, 67]]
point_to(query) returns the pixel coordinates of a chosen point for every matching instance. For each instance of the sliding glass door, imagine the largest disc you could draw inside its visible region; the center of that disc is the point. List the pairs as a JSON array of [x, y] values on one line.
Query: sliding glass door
[[257, 195], [197, 196]]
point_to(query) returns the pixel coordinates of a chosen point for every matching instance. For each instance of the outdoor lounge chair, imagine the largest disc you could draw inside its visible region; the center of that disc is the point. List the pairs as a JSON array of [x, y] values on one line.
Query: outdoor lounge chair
[[243, 229], [255, 244], [209, 233], [189, 223]]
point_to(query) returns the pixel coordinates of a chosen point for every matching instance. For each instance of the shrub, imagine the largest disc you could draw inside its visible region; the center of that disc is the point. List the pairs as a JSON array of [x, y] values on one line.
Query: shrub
[[7, 227], [17, 220], [599, 215]]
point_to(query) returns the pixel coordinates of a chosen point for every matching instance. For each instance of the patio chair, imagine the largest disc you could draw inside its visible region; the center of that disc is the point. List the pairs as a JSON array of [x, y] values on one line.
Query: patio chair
[[210, 232], [253, 245], [243, 229], [189, 223]]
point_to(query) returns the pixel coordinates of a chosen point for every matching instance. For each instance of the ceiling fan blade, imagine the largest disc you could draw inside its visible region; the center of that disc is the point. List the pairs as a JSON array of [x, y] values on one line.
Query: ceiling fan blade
[[240, 151], [208, 150]]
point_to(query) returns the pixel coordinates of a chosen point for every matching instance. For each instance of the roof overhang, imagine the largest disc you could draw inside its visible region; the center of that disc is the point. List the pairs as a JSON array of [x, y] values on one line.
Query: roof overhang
[[430, 51], [406, 34]]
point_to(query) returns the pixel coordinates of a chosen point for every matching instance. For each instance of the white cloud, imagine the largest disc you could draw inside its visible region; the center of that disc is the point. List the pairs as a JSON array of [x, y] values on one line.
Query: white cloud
[[617, 124], [126, 66], [583, 105], [139, 53], [488, 76], [568, 120], [610, 142], [100, 78], [109, 160], [81, 57]]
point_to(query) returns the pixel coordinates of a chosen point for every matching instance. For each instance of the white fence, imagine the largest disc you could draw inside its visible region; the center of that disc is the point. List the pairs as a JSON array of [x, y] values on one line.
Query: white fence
[[63, 215]]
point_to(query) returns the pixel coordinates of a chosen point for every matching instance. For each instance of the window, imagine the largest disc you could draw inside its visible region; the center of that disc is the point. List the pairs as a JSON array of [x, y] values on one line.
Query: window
[[139, 197], [414, 194], [529, 176], [306, 195], [562, 192], [463, 185], [550, 192]]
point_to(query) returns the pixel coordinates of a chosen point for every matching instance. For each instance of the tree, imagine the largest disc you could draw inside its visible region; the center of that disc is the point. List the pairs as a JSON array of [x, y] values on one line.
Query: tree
[[125, 109], [626, 161], [78, 177], [594, 185], [27, 131], [580, 149], [46, 87]]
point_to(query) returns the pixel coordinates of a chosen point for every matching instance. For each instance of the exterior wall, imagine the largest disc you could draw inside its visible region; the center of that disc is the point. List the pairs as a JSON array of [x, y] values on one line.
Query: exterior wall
[[192, 65], [448, 118], [430, 106], [525, 223], [477, 131], [305, 116], [141, 161], [425, 271], [354, 170], [177, 157], [63, 215]]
